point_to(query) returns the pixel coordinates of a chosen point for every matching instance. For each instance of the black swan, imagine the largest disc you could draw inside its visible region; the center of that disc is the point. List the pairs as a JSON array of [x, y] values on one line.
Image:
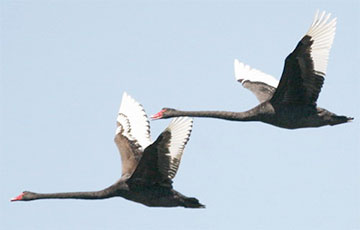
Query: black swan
[[291, 103], [147, 169]]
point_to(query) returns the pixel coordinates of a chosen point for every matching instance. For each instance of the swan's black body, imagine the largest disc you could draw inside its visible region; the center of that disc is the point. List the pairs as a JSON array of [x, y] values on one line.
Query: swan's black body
[[290, 103]]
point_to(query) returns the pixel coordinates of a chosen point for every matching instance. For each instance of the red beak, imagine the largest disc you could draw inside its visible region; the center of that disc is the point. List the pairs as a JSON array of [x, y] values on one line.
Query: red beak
[[19, 197], [158, 115]]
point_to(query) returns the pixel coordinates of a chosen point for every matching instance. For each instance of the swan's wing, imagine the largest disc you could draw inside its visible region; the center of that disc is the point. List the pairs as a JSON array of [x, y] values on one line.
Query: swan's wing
[[161, 159], [132, 135], [139, 123], [176, 136], [305, 68], [261, 84]]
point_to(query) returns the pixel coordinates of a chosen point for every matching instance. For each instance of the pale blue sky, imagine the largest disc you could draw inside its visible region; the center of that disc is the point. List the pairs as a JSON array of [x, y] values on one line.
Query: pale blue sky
[[64, 67]]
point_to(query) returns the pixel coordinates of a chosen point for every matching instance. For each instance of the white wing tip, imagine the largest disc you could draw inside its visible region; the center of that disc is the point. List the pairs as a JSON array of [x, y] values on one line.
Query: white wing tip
[[322, 24], [137, 119], [244, 73], [126, 96], [126, 100], [237, 69], [322, 33]]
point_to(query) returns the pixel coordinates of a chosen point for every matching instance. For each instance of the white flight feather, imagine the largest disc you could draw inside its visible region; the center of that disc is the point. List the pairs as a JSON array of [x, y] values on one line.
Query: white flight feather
[[322, 33], [180, 129], [134, 121], [244, 73]]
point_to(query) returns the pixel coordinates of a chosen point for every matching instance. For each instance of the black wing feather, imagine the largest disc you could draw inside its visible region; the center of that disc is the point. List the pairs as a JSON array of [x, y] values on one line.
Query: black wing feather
[[262, 91], [148, 170], [300, 83]]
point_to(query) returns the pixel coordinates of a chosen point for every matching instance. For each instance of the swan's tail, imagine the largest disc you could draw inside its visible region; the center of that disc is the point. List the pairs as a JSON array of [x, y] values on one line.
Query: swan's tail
[[335, 120], [191, 202]]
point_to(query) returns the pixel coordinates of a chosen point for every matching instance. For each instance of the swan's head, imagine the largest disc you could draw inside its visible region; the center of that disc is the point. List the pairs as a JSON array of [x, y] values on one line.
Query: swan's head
[[164, 113], [24, 196]]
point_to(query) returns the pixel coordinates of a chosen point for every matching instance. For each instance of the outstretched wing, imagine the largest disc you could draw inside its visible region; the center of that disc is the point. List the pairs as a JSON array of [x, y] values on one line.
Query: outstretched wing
[[132, 135], [161, 159], [261, 84], [172, 151], [305, 68]]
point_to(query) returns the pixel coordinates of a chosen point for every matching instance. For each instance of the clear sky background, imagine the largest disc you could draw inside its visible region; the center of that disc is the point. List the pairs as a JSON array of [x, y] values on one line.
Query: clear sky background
[[64, 67]]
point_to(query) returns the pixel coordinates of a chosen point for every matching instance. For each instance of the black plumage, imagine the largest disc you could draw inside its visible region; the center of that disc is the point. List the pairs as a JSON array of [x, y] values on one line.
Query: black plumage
[[147, 168], [291, 103]]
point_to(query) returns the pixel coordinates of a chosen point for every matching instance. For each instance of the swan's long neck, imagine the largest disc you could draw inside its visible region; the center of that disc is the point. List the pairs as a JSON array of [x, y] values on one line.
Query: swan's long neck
[[232, 116], [114, 190], [72, 195]]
